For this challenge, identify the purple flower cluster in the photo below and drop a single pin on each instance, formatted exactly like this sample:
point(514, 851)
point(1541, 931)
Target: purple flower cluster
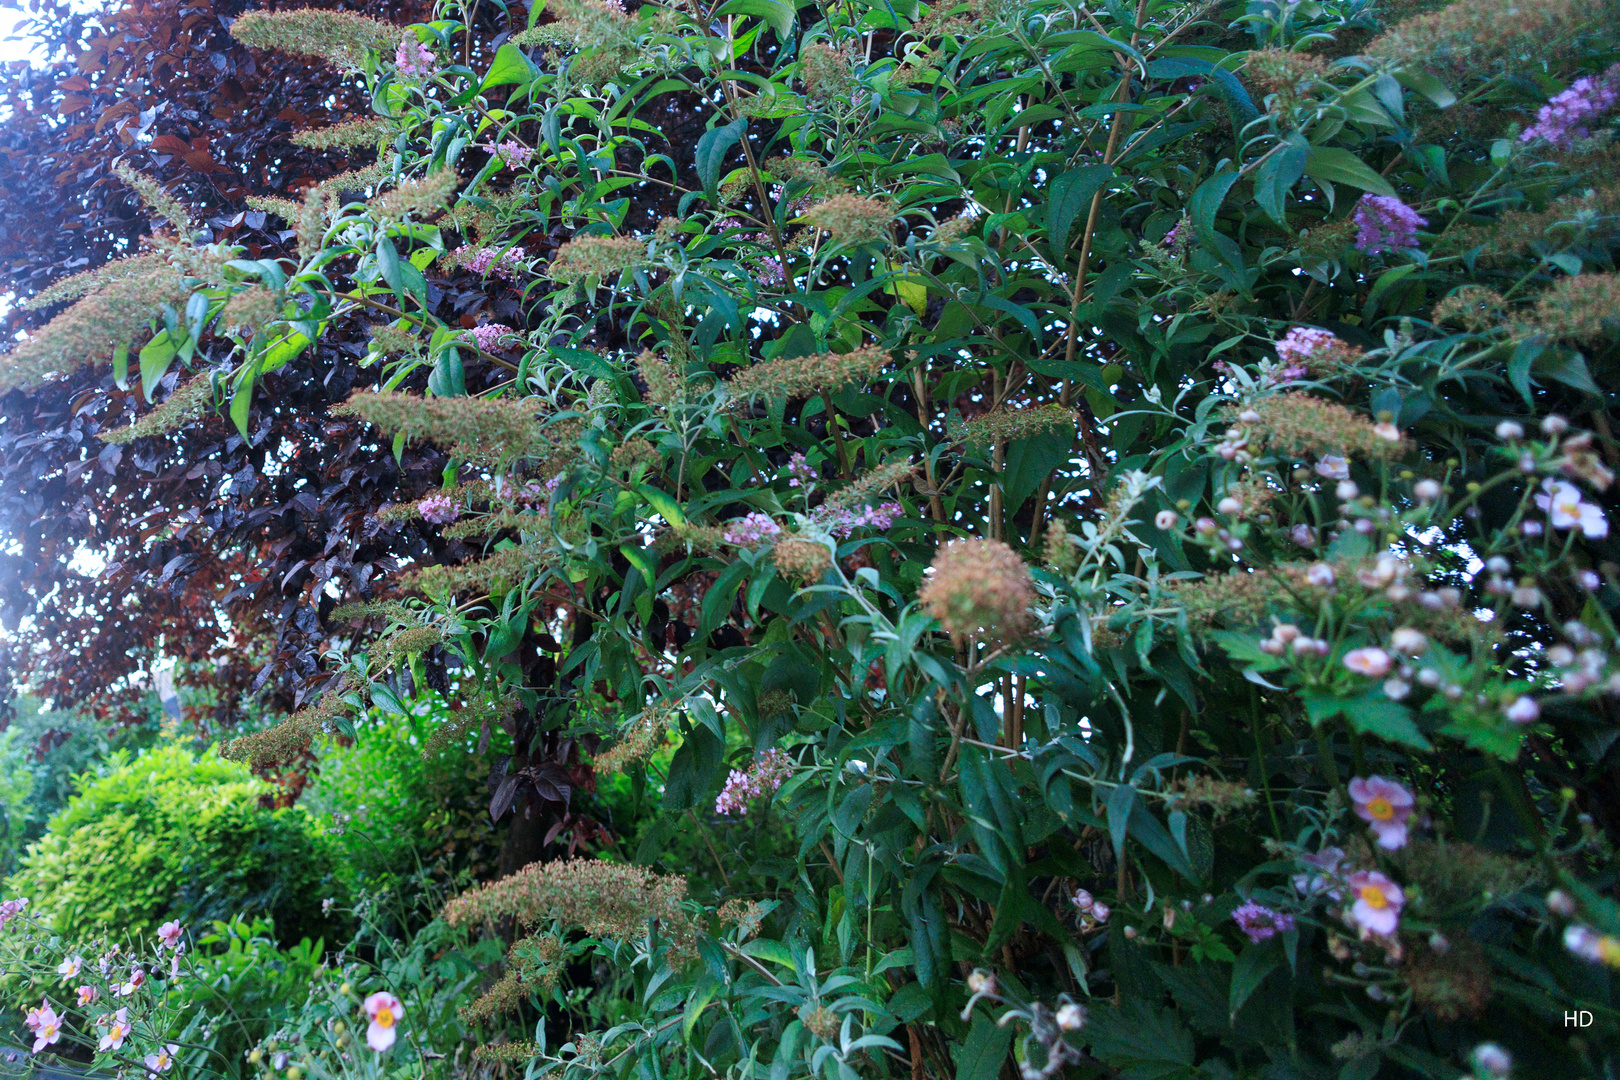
point(1566, 118)
point(1178, 238)
point(1385, 224)
point(439, 509)
point(514, 153)
point(1260, 922)
point(800, 471)
point(753, 530)
point(845, 520)
point(763, 777)
point(490, 334)
point(414, 58)
point(769, 272)
point(490, 261)
point(768, 269)
point(1298, 346)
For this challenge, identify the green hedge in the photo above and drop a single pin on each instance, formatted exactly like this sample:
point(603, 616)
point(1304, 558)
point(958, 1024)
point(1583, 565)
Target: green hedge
point(166, 835)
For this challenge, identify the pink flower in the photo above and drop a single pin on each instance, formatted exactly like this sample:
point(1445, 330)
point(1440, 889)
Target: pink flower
point(1522, 710)
point(1322, 883)
point(171, 932)
point(800, 471)
point(1333, 467)
point(1371, 661)
point(162, 1060)
point(842, 522)
point(752, 530)
point(117, 1031)
point(137, 979)
point(770, 272)
point(1567, 510)
point(488, 336)
point(1386, 224)
point(1260, 922)
point(1301, 345)
point(491, 261)
point(47, 1026)
point(515, 153)
point(69, 967)
point(87, 994)
point(439, 509)
point(413, 57)
point(763, 777)
point(9, 909)
point(1378, 902)
point(1566, 117)
point(1385, 805)
point(384, 1011)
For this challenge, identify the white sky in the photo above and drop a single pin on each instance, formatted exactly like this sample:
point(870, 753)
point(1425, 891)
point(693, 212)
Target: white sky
point(14, 50)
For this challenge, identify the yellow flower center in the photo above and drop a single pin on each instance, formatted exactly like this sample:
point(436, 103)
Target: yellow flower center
point(1609, 950)
point(1381, 809)
point(384, 1017)
point(1374, 897)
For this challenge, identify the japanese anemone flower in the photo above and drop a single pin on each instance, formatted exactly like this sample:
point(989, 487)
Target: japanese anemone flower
point(384, 1011)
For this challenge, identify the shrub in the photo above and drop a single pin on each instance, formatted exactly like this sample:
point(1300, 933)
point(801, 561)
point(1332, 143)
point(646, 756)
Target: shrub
point(1256, 719)
point(168, 835)
point(391, 810)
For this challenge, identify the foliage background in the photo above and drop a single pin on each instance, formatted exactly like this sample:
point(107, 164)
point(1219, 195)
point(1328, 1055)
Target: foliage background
point(743, 277)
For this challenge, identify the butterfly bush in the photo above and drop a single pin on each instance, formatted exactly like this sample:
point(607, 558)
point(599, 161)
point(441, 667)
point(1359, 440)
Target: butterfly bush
point(1385, 223)
point(1073, 541)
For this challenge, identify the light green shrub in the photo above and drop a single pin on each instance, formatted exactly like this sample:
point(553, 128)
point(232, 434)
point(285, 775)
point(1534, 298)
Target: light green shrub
point(167, 835)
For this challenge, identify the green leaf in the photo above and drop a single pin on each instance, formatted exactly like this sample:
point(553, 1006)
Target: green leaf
point(768, 949)
point(641, 558)
point(666, 507)
point(121, 366)
point(1071, 193)
point(1375, 714)
point(711, 153)
point(155, 360)
point(693, 768)
point(1150, 832)
point(510, 68)
point(1416, 78)
point(448, 378)
point(701, 996)
point(1206, 202)
point(1140, 1040)
point(1279, 174)
point(777, 14)
point(1253, 965)
point(984, 1049)
point(1120, 804)
point(1570, 369)
point(1339, 166)
point(284, 350)
point(388, 266)
point(242, 399)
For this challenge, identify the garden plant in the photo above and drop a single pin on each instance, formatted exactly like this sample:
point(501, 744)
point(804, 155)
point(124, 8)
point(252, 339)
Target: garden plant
point(1017, 539)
